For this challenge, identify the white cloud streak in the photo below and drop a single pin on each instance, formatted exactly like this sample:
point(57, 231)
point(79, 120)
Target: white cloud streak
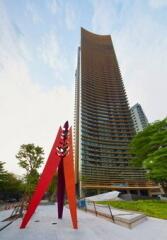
point(52, 54)
point(158, 3)
point(141, 45)
point(28, 114)
point(32, 12)
point(54, 6)
point(70, 17)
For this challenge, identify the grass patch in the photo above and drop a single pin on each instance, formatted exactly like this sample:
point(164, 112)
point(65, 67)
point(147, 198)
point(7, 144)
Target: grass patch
point(152, 208)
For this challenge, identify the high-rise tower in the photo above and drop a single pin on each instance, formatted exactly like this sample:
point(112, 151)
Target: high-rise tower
point(103, 124)
point(139, 118)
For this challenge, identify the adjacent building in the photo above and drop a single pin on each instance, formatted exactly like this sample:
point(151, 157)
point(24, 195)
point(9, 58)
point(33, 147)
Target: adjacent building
point(103, 124)
point(139, 118)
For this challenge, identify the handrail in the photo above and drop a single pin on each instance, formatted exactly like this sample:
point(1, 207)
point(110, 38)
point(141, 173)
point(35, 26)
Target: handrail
point(94, 209)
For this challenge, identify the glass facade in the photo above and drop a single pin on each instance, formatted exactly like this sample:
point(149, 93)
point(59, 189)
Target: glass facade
point(103, 125)
point(139, 118)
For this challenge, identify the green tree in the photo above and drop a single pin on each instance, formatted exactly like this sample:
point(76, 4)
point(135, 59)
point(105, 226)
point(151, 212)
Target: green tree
point(10, 185)
point(3, 174)
point(2, 170)
point(30, 158)
point(14, 187)
point(149, 148)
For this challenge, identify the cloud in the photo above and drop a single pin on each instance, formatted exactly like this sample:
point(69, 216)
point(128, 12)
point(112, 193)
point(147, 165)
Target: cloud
point(140, 43)
point(54, 6)
point(158, 3)
point(69, 12)
point(70, 16)
point(51, 53)
point(32, 12)
point(102, 15)
point(28, 114)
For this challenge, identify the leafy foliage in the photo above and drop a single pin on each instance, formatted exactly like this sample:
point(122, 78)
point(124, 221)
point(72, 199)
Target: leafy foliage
point(3, 175)
point(13, 184)
point(30, 158)
point(10, 185)
point(149, 148)
point(2, 172)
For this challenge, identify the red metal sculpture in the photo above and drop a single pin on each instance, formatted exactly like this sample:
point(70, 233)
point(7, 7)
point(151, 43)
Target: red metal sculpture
point(61, 157)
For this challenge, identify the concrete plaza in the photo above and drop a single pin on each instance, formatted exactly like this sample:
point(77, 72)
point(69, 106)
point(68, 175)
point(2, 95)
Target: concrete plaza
point(44, 225)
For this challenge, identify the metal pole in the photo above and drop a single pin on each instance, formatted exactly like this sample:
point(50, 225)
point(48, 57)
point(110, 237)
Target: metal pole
point(95, 208)
point(111, 212)
point(85, 205)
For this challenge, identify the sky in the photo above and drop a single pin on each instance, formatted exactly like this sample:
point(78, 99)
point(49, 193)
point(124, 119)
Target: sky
point(38, 54)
